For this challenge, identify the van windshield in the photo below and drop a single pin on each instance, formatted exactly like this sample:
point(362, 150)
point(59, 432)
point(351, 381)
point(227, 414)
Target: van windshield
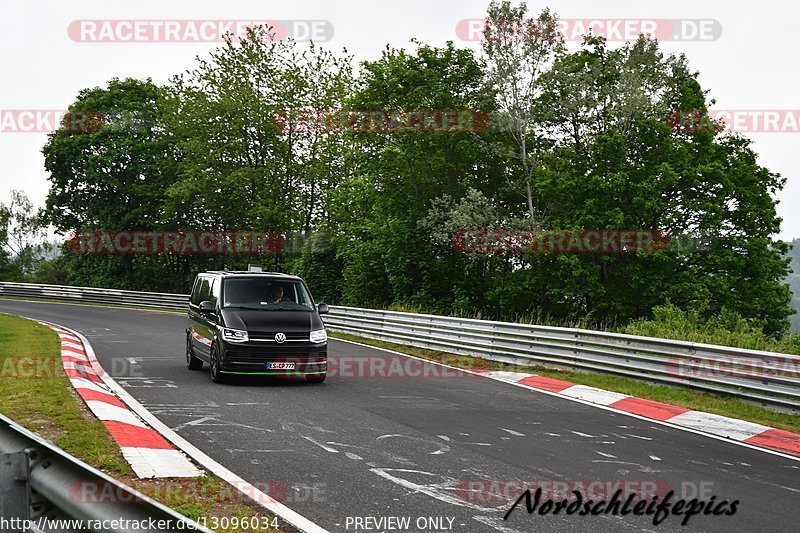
point(265, 293)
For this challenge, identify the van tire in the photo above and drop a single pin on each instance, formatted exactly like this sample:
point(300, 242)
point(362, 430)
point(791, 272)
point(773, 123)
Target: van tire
point(192, 362)
point(216, 374)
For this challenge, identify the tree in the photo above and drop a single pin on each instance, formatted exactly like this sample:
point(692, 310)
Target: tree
point(398, 172)
point(518, 51)
point(22, 233)
point(618, 163)
point(112, 173)
point(241, 163)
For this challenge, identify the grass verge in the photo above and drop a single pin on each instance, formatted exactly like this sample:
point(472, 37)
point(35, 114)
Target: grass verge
point(35, 393)
point(690, 399)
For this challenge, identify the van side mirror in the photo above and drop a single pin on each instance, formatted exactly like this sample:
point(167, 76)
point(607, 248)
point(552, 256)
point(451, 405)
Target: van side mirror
point(323, 309)
point(207, 307)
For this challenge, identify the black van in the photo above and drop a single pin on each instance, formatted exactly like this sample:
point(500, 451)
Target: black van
point(256, 323)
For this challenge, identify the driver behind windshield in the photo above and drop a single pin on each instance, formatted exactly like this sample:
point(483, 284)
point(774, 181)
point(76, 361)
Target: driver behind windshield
point(277, 295)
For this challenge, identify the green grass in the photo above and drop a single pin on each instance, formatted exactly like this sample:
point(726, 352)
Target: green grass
point(701, 401)
point(35, 393)
point(43, 400)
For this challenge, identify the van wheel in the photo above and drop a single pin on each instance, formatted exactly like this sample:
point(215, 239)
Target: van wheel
point(191, 361)
point(216, 374)
point(316, 378)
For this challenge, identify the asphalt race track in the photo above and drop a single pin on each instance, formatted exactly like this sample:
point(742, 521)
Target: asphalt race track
point(368, 446)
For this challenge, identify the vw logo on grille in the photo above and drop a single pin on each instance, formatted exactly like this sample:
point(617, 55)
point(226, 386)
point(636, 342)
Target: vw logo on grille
point(280, 338)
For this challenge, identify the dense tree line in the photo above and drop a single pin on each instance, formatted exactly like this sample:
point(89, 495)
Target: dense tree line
point(581, 139)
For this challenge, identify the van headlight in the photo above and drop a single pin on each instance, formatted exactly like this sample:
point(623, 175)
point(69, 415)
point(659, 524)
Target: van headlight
point(318, 336)
point(234, 335)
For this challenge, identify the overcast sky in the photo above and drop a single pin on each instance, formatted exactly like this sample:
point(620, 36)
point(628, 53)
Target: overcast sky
point(751, 65)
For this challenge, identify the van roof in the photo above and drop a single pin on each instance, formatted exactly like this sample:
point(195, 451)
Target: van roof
point(248, 273)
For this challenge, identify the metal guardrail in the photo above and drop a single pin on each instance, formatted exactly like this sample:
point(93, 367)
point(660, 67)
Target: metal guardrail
point(48, 488)
point(158, 300)
point(765, 377)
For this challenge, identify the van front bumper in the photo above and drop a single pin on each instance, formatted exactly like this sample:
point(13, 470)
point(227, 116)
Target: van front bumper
point(246, 358)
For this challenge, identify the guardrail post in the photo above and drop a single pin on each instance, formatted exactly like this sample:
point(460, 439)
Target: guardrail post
point(15, 502)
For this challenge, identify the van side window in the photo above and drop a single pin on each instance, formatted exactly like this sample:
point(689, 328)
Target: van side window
point(205, 290)
point(215, 290)
point(195, 299)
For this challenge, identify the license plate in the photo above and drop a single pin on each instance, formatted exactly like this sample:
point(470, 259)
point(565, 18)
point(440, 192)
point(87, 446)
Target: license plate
point(280, 366)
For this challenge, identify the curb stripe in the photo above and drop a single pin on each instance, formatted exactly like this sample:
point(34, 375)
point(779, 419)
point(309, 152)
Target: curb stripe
point(777, 439)
point(594, 395)
point(782, 443)
point(649, 408)
point(549, 384)
point(112, 413)
point(84, 384)
point(89, 394)
point(71, 373)
point(722, 426)
point(148, 452)
point(130, 436)
point(159, 463)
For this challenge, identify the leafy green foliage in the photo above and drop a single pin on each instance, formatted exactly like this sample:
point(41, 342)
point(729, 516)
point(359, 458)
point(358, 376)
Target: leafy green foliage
point(727, 328)
point(579, 140)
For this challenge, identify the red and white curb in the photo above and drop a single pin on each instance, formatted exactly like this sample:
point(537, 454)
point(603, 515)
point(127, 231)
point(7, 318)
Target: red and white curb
point(735, 431)
point(721, 426)
point(109, 387)
point(149, 454)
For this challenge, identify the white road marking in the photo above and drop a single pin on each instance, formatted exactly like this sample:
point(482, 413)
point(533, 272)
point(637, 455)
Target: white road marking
point(332, 443)
point(654, 458)
point(444, 437)
point(351, 455)
point(195, 422)
point(638, 436)
point(512, 432)
point(606, 455)
point(578, 433)
point(323, 446)
point(439, 491)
